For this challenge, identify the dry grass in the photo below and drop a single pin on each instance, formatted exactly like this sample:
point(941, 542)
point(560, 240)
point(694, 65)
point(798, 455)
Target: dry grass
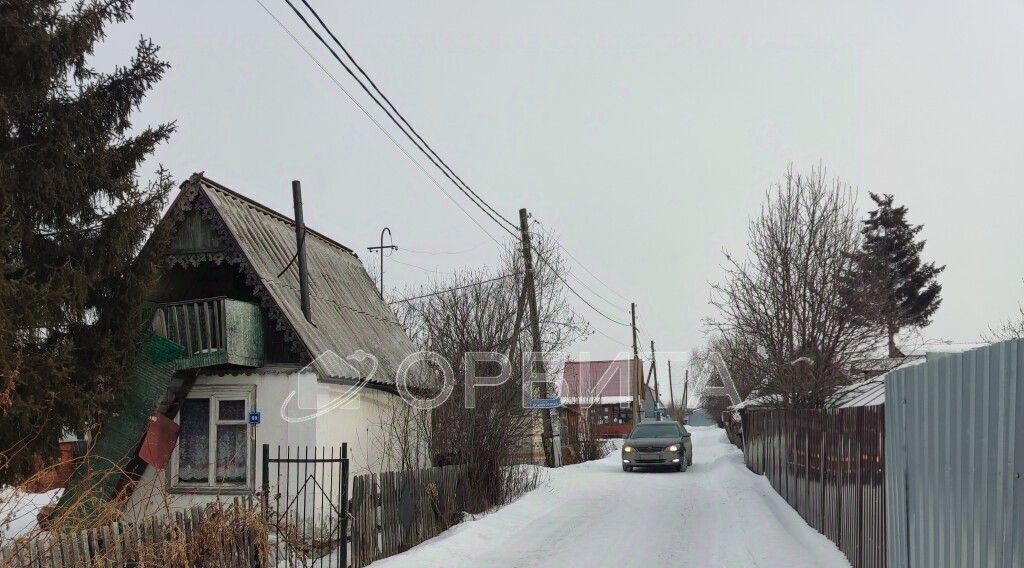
point(82, 532)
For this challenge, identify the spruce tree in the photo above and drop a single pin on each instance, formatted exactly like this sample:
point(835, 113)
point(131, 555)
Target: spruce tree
point(73, 218)
point(902, 287)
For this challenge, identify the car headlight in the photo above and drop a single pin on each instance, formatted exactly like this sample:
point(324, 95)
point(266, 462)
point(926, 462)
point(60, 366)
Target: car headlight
point(672, 448)
point(627, 449)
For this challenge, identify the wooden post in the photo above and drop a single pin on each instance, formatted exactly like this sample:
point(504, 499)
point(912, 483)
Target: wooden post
point(671, 395)
point(686, 393)
point(548, 436)
point(654, 369)
point(637, 372)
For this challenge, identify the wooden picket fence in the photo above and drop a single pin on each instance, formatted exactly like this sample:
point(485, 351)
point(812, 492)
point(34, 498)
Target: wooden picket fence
point(392, 512)
point(389, 513)
point(154, 541)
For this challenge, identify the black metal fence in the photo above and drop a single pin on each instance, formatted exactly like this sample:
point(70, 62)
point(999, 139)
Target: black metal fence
point(305, 503)
point(829, 465)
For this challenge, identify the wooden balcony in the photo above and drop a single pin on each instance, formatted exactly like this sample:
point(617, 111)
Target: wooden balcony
point(213, 331)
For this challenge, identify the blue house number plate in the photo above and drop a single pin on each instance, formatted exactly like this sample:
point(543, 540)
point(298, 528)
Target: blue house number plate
point(254, 418)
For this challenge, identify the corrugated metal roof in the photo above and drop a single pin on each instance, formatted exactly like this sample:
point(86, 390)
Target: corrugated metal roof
point(348, 315)
point(580, 382)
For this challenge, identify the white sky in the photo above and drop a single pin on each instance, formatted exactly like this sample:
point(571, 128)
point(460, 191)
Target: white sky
point(646, 134)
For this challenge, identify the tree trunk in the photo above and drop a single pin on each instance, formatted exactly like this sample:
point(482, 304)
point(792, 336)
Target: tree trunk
point(894, 352)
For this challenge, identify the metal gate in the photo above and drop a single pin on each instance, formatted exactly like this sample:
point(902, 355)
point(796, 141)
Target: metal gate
point(305, 503)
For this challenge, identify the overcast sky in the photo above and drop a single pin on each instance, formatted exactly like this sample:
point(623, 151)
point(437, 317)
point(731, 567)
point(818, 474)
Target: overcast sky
point(645, 134)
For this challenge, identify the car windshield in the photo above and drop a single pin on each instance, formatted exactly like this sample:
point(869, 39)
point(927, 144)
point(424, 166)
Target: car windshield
point(655, 431)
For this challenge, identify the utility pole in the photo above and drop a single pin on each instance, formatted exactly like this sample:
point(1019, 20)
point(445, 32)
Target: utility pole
point(637, 371)
point(381, 249)
point(550, 455)
point(686, 394)
point(671, 395)
point(654, 369)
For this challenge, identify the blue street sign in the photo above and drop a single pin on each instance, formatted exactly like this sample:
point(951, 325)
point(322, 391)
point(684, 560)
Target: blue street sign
point(544, 403)
point(254, 417)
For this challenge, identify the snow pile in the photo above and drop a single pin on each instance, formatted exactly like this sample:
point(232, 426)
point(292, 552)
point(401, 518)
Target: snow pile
point(593, 514)
point(18, 510)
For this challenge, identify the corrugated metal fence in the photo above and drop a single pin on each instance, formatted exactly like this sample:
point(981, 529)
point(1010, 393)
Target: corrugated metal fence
point(955, 456)
point(828, 465)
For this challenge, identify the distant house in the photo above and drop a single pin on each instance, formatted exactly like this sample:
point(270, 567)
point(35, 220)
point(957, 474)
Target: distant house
point(603, 391)
point(232, 345)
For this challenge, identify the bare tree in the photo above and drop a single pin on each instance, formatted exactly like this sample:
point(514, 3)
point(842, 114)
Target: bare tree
point(736, 353)
point(479, 310)
point(788, 303)
point(1012, 328)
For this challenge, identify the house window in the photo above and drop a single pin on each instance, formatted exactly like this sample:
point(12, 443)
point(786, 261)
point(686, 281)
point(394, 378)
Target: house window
point(214, 450)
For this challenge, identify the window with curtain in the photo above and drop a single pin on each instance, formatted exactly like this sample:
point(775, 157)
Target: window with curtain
point(214, 449)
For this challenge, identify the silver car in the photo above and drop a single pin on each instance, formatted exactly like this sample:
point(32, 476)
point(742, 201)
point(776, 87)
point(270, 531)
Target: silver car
point(657, 444)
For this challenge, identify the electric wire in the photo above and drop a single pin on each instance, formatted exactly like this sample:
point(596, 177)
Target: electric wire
point(481, 204)
point(377, 123)
point(455, 289)
point(587, 270)
point(467, 191)
point(399, 114)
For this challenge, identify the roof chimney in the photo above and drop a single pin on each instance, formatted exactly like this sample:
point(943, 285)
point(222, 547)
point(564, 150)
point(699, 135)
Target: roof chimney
point(300, 242)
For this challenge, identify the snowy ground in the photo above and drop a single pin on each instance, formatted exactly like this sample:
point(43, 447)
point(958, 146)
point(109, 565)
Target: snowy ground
point(716, 514)
point(18, 510)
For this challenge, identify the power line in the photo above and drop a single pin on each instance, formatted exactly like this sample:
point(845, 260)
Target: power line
point(580, 280)
point(424, 269)
point(400, 116)
point(423, 148)
point(376, 122)
point(587, 270)
point(439, 252)
point(455, 289)
point(575, 293)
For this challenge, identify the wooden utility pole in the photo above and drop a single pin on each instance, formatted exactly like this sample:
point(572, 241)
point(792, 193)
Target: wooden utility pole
point(671, 395)
point(548, 441)
point(654, 369)
point(638, 373)
point(686, 394)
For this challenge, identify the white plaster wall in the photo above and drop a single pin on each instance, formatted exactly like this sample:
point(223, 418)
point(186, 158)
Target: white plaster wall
point(312, 417)
point(365, 423)
point(305, 421)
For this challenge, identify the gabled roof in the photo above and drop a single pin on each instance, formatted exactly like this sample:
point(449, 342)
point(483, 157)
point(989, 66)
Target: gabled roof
point(581, 381)
point(348, 314)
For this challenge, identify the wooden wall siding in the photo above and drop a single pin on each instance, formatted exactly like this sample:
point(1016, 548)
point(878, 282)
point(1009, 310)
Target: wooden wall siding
point(829, 466)
point(195, 235)
point(214, 331)
point(392, 512)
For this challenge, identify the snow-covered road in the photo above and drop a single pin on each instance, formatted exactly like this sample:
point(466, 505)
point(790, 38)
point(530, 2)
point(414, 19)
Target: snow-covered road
point(716, 514)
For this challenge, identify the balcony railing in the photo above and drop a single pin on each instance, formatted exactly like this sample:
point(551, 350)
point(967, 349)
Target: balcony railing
point(213, 331)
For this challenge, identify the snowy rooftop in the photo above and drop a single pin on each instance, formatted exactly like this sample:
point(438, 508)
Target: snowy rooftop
point(871, 392)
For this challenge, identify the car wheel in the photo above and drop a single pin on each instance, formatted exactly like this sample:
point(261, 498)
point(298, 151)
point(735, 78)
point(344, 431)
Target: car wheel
point(627, 468)
point(682, 465)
